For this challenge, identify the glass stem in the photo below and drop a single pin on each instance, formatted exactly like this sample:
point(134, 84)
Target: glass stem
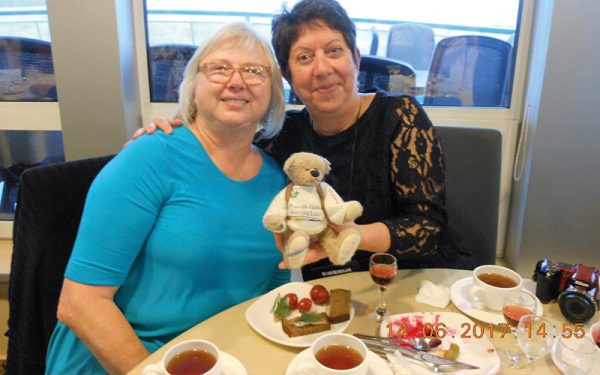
point(381, 307)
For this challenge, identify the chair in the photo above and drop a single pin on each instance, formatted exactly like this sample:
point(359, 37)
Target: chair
point(34, 58)
point(412, 43)
point(49, 208)
point(167, 63)
point(473, 161)
point(379, 73)
point(469, 70)
point(374, 41)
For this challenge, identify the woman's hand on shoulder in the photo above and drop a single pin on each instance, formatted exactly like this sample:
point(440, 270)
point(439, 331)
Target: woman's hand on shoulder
point(158, 123)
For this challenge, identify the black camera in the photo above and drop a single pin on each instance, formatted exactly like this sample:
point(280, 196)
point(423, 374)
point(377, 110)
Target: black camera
point(575, 287)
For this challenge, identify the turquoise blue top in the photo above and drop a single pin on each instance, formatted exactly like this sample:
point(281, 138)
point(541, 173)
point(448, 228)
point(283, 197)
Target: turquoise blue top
point(180, 239)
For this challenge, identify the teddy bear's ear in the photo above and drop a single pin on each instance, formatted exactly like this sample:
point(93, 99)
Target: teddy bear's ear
point(327, 165)
point(288, 163)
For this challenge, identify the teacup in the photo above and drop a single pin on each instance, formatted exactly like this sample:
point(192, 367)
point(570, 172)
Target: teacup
point(490, 285)
point(190, 356)
point(339, 354)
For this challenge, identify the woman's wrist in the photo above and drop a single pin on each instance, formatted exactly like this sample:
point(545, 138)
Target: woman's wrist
point(374, 237)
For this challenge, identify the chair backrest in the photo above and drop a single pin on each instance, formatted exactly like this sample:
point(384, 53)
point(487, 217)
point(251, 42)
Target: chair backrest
point(469, 70)
point(374, 41)
point(49, 208)
point(412, 43)
point(167, 63)
point(473, 161)
point(380, 73)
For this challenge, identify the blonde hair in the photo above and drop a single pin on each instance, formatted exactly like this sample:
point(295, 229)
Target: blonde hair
point(248, 40)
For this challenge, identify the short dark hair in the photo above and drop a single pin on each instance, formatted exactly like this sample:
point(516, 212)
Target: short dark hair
point(285, 27)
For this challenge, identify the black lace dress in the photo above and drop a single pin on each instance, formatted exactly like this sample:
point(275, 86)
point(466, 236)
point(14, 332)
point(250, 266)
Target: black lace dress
point(390, 160)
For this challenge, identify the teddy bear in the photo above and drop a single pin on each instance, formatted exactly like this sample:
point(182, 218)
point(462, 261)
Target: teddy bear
point(304, 208)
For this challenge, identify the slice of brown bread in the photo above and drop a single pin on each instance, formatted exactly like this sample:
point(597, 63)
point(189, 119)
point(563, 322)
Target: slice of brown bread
point(339, 305)
point(292, 330)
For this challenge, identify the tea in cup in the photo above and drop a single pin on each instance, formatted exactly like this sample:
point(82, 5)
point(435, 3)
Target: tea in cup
point(491, 283)
point(339, 354)
point(188, 357)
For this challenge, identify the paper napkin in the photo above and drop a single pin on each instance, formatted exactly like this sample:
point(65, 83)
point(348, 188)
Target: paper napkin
point(434, 295)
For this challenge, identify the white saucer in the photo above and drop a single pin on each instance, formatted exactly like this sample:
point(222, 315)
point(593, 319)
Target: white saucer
point(459, 295)
point(301, 365)
point(230, 365)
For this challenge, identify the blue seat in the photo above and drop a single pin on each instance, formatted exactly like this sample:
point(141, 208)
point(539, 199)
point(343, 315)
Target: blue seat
point(167, 63)
point(470, 70)
point(412, 43)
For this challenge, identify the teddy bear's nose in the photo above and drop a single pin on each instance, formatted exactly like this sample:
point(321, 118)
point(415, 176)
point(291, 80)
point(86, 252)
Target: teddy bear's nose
point(314, 173)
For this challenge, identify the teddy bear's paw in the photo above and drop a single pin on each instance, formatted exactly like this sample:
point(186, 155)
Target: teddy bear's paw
point(295, 250)
point(274, 223)
point(353, 210)
point(348, 244)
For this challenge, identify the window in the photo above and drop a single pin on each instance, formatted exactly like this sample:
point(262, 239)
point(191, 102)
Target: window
point(26, 69)
point(461, 54)
point(27, 84)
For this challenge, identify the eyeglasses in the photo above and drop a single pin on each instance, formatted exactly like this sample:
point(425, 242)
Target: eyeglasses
point(252, 74)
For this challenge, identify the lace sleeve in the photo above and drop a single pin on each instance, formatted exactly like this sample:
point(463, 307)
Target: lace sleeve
point(417, 174)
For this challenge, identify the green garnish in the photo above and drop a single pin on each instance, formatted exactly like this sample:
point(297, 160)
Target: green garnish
point(310, 317)
point(281, 309)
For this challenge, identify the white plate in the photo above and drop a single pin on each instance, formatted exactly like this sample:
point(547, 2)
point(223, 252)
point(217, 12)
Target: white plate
point(475, 347)
point(259, 316)
point(229, 365)
point(459, 294)
point(301, 365)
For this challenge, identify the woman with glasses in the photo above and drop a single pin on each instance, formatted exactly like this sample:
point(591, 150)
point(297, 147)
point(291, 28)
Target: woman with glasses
point(383, 148)
point(171, 232)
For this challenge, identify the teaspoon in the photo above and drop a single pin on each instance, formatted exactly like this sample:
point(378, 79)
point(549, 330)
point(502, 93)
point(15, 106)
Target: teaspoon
point(419, 343)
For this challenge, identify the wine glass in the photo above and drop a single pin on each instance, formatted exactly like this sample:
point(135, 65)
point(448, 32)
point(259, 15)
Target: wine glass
point(574, 355)
point(383, 268)
point(516, 304)
point(535, 335)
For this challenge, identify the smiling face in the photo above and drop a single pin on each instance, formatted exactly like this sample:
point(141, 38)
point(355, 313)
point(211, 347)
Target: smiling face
point(233, 104)
point(323, 71)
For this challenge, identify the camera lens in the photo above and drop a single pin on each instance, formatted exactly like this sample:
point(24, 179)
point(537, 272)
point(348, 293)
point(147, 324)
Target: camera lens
point(576, 307)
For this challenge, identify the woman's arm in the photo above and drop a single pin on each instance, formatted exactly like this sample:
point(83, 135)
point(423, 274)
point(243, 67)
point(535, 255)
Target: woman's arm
point(418, 179)
point(90, 312)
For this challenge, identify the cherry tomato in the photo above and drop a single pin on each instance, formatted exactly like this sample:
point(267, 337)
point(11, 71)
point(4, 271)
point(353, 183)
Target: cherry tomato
point(292, 300)
point(304, 305)
point(319, 294)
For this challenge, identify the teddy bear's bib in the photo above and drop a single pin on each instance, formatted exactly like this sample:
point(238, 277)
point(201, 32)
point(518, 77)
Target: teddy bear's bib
point(305, 211)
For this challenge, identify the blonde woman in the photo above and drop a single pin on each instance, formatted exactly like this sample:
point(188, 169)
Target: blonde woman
point(175, 221)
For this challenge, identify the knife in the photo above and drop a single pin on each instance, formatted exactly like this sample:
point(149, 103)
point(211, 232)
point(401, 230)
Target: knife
point(433, 361)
